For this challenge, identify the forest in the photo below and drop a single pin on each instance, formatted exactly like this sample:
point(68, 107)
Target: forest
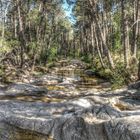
point(102, 33)
point(68, 67)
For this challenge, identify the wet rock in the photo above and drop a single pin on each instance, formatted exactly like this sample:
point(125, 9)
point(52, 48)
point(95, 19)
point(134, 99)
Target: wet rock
point(90, 72)
point(134, 85)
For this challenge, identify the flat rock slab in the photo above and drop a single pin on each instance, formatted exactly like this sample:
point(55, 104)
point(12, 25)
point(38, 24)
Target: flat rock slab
point(113, 115)
point(23, 88)
point(67, 121)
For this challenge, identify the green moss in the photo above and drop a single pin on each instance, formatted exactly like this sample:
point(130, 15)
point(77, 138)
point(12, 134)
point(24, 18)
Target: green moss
point(105, 73)
point(87, 58)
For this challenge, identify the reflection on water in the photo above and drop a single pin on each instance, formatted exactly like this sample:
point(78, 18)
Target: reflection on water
point(76, 74)
point(32, 98)
point(81, 80)
point(75, 80)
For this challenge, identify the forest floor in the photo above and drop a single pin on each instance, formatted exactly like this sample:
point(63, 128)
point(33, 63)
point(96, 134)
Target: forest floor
point(68, 103)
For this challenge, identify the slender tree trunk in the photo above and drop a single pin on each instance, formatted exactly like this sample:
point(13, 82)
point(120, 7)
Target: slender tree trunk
point(15, 25)
point(21, 33)
point(92, 38)
point(108, 54)
point(98, 49)
point(139, 70)
point(136, 26)
point(125, 33)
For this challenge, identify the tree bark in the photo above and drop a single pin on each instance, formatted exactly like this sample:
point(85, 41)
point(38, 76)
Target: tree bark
point(139, 70)
point(22, 36)
point(108, 54)
point(136, 26)
point(125, 35)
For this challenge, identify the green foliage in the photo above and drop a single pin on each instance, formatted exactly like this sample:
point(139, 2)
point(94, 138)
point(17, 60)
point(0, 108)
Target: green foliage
point(120, 76)
point(50, 64)
point(1, 72)
point(52, 52)
point(87, 58)
point(105, 73)
point(32, 45)
point(117, 33)
point(6, 46)
point(33, 16)
point(12, 43)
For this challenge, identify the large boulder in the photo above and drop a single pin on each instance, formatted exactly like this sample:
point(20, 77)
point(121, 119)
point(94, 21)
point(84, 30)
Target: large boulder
point(70, 120)
point(127, 128)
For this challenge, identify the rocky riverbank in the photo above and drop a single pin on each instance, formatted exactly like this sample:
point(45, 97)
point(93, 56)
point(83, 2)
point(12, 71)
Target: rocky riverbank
point(67, 105)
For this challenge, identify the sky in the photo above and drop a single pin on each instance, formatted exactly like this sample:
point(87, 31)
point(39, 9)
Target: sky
point(68, 6)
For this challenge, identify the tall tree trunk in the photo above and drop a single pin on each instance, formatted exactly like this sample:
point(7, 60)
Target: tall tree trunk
point(139, 70)
point(92, 38)
point(125, 37)
point(108, 54)
point(97, 47)
point(15, 25)
point(136, 26)
point(21, 33)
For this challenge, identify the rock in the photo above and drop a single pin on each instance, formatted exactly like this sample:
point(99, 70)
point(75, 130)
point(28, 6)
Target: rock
point(78, 64)
point(83, 118)
point(65, 121)
point(44, 119)
point(9, 132)
point(46, 80)
point(69, 80)
point(90, 72)
point(14, 89)
point(127, 128)
point(65, 112)
point(134, 85)
point(106, 85)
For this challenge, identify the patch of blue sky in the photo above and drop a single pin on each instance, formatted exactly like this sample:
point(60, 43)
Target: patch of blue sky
point(68, 8)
